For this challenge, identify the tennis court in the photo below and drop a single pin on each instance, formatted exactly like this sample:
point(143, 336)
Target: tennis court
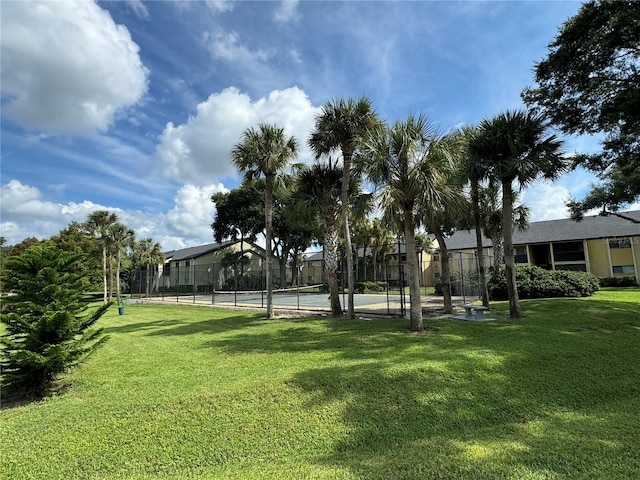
point(298, 299)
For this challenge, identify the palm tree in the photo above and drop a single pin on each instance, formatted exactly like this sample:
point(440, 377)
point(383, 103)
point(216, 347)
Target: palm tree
point(491, 211)
point(149, 256)
point(121, 237)
point(98, 224)
point(401, 160)
point(475, 171)
point(317, 196)
point(516, 146)
point(265, 151)
point(381, 244)
point(338, 126)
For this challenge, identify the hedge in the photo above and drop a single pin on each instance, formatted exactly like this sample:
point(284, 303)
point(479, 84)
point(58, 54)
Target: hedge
point(536, 282)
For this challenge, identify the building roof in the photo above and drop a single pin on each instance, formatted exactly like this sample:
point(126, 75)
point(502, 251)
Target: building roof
point(592, 227)
point(195, 252)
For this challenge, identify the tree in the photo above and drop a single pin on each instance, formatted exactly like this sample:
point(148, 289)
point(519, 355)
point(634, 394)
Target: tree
point(47, 330)
point(589, 84)
point(75, 239)
point(148, 255)
point(381, 244)
point(317, 195)
point(121, 238)
point(239, 212)
point(490, 206)
point(265, 151)
point(338, 126)
point(403, 163)
point(97, 225)
point(517, 147)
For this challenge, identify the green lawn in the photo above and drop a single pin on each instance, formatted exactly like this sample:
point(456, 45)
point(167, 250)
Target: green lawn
point(195, 392)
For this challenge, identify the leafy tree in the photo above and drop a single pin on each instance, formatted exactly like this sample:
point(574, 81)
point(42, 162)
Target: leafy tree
point(292, 236)
point(97, 225)
point(590, 83)
point(75, 239)
point(265, 151)
point(239, 212)
point(47, 329)
point(338, 126)
point(402, 161)
point(517, 147)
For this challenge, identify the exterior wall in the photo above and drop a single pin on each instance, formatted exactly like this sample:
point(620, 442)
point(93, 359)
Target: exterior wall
point(599, 257)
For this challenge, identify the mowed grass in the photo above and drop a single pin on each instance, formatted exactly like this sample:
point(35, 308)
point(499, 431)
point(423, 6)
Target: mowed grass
point(195, 392)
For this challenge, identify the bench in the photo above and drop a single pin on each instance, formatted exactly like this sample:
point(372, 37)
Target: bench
point(474, 312)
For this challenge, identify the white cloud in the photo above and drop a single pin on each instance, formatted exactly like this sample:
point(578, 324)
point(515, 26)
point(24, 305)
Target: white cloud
point(546, 201)
point(66, 66)
point(198, 152)
point(25, 213)
point(225, 46)
point(193, 211)
point(220, 5)
point(287, 11)
point(138, 8)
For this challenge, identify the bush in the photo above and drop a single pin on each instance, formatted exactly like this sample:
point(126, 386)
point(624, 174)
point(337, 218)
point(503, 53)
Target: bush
point(618, 282)
point(535, 282)
point(46, 333)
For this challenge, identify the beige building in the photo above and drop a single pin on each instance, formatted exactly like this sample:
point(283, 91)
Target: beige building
point(607, 246)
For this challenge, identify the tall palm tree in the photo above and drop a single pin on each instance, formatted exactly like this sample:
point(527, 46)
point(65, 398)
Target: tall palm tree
point(317, 197)
point(265, 151)
point(338, 126)
point(516, 146)
point(401, 160)
point(121, 238)
point(98, 224)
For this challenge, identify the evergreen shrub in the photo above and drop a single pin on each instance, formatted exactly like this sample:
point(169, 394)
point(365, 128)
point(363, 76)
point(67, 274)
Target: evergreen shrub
point(618, 282)
point(47, 328)
point(536, 282)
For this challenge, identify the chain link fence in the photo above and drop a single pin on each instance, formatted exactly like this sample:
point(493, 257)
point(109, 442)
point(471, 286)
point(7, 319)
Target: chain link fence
point(381, 283)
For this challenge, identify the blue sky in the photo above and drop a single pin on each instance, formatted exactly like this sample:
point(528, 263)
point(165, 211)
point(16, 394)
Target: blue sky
point(134, 106)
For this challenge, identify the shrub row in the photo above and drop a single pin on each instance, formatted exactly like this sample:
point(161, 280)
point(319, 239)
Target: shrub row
point(536, 282)
point(618, 282)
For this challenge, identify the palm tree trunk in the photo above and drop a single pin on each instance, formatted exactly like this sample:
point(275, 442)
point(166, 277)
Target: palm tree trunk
point(475, 204)
point(509, 260)
point(445, 277)
point(331, 262)
point(118, 281)
point(415, 310)
point(104, 272)
point(344, 198)
point(268, 218)
point(110, 262)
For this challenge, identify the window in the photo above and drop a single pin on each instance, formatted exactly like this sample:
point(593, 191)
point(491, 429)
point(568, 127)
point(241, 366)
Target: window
point(520, 254)
point(187, 263)
point(620, 243)
point(436, 258)
point(568, 251)
point(624, 269)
